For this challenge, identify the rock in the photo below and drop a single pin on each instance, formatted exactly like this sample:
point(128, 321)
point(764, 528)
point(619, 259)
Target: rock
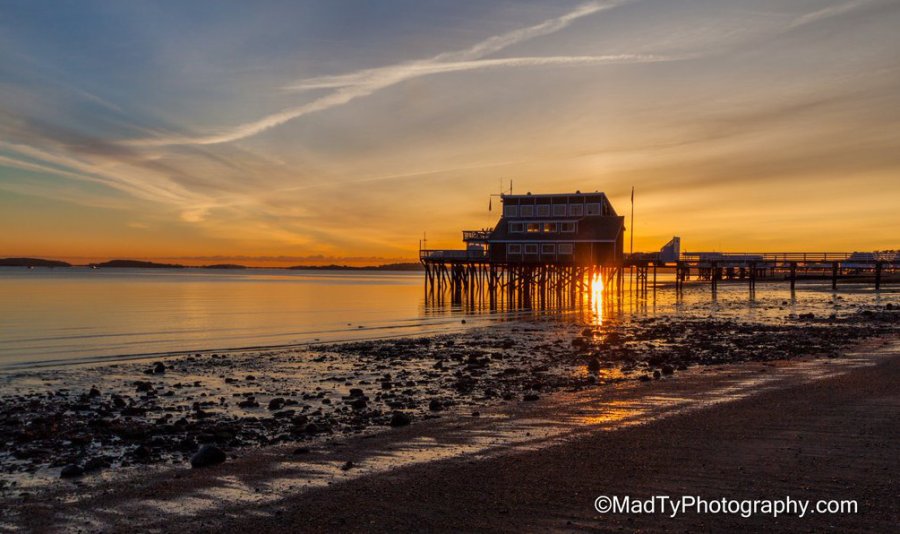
point(435, 405)
point(593, 365)
point(347, 466)
point(889, 306)
point(358, 403)
point(159, 368)
point(587, 332)
point(250, 402)
point(143, 386)
point(71, 471)
point(657, 375)
point(118, 401)
point(95, 464)
point(667, 369)
point(302, 450)
point(644, 378)
point(400, 419)
point(250, 378)
point(356, 392)
point(94, 392)
point(530, 397)
point(276, 404)
point(207, 455)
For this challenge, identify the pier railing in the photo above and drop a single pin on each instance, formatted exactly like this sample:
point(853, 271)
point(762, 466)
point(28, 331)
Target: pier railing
point(453, 255)
point(788, 258)
point(481, 236)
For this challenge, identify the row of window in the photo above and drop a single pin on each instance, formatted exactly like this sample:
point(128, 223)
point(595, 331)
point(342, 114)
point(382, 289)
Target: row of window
point(539, 228)
point(546, 248)
point(554, 210)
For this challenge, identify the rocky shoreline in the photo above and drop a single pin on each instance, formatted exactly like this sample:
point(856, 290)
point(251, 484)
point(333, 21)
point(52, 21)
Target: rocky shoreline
point(202, 408)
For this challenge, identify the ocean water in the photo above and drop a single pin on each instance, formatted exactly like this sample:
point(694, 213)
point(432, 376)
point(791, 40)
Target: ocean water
point(52, 317)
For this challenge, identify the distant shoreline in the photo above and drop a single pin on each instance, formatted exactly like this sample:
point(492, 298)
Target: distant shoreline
point(139, 264)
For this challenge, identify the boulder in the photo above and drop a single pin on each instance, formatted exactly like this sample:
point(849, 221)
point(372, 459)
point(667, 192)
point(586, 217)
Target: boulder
point(207, 455)
point(71, 471)
point(400, 419)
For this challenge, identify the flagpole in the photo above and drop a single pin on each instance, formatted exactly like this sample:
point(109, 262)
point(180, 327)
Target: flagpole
point(631, 247)
point(631, 251)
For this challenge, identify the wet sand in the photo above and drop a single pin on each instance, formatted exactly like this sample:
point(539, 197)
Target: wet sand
point(99, 419)
point(808, 428)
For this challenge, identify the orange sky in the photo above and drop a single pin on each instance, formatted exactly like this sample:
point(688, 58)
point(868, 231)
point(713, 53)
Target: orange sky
point(312, 137)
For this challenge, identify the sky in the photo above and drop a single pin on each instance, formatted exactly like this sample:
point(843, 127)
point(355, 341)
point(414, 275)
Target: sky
point(338, 131)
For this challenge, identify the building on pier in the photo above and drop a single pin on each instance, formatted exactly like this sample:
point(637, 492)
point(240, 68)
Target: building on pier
point(554, 229)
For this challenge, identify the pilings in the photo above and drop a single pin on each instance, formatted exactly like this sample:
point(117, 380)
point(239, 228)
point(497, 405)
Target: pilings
point(518, 285)
point(526, 285)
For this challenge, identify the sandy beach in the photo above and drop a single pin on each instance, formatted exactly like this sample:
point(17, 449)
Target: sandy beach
point(809, 427)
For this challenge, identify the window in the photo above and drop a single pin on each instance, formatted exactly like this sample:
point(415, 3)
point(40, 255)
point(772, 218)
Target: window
point(565, 248)
point(550, 227)
point(530, 249)
point(513, 249)
point(516, 228)
point(593, 209)
point(510, 211)
point(543, 210)
point(568, 227)
point(526, 211)
point(548, 249)
point(559, 210)
point(533, 227)
point(576, 210)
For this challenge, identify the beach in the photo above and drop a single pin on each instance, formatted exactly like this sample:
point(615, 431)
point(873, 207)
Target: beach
point(557, 411)
point(809, 428)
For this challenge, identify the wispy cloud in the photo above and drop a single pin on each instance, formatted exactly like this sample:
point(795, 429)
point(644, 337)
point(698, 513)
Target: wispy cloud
point(828, 12)
point(363, 83)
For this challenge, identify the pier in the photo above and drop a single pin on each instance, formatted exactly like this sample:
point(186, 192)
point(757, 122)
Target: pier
point(556, 250)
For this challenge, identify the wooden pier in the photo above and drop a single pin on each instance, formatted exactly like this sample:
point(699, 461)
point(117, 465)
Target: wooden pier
point(471, 275)
point(558, 249)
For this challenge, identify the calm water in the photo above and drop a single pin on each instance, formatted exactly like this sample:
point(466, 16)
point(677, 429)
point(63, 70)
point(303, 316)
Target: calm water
point(53, 316)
